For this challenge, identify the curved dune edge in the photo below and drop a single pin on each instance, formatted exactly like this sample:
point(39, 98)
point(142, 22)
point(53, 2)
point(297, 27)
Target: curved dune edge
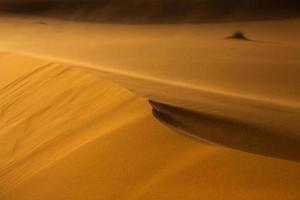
point(230, 133)
point(66, 134)
point(195, 62)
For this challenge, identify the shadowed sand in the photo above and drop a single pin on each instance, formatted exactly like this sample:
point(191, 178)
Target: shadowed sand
point(236, 134)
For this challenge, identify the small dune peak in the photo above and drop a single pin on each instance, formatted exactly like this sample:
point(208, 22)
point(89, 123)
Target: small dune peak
point(238, 35)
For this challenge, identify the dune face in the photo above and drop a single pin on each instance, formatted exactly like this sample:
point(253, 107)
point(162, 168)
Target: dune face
point(75, 119)
point(67, 134)
point(44, 113)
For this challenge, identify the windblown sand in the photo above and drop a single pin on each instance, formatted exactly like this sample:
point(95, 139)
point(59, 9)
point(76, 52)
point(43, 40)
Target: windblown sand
point(67, 134)
point(254, 82)
point(75, 121)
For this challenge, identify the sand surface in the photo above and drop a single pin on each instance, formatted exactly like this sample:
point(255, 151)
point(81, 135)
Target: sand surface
point(75, 121)
point(241, 81)
point(67, 134)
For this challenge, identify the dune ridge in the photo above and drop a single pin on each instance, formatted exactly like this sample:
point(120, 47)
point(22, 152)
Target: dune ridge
point(254, 102)
point(236, 134)
point(68, 132)
point(268, 97)
point(192, 63)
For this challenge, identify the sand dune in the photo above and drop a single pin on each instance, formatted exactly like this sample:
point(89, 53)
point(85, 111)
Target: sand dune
point(238, 81)
point(34, 125)
point(75, 121)
point(67, 134)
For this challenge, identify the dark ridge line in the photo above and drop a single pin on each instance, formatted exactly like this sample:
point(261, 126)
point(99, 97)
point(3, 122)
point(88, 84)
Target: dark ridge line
point(234, 134)
point(156, 11)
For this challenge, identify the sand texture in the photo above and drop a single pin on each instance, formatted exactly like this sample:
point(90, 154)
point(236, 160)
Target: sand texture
point(67, 134)
point(150, 99)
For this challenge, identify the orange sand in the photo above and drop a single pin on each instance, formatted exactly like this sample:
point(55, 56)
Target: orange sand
point(75, 122)
point(67, 134)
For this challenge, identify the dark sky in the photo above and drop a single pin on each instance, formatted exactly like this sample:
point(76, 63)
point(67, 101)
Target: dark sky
point(156, 11)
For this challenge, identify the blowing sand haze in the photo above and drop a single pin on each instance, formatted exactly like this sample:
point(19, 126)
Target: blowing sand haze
point(149, 99)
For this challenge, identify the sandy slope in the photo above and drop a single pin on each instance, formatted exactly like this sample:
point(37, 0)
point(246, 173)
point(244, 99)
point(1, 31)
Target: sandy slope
point(66, 134)
point(39, 112)
point(17, 67)
point(249, 82)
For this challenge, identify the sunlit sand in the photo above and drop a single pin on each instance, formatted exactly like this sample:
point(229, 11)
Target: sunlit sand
point(76, 122)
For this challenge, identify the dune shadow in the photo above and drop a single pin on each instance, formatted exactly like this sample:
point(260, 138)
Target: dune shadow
point(156, 11)
point(230, 133)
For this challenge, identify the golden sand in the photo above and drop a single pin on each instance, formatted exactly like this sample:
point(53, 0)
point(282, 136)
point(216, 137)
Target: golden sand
point(75, 121)
point(67, 134)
